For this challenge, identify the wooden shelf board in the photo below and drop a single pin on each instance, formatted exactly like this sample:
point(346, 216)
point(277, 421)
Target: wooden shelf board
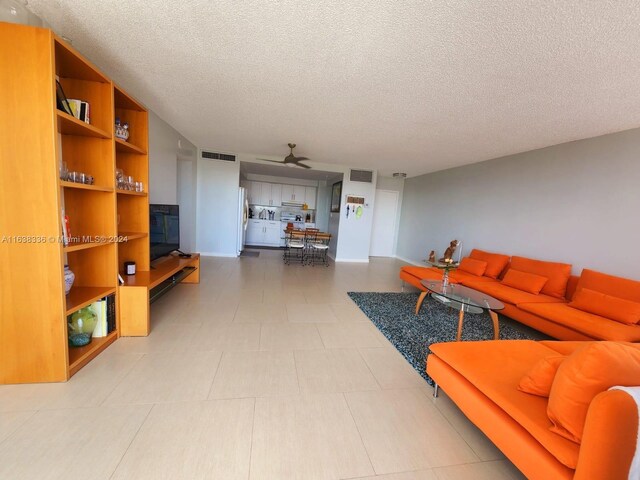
point(130, 192)
point(82, 186)
point(124, 146)
point(82, 296)
point(132, 235)
point(80, 356)
point(70, 125)
point(73, 247)
point(163, 270)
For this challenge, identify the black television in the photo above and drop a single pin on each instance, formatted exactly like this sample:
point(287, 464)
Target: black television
point(164, 229)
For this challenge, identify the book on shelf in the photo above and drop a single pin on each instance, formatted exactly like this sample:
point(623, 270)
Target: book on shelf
point(80, 109)
point(111, 313)
point(100, 309)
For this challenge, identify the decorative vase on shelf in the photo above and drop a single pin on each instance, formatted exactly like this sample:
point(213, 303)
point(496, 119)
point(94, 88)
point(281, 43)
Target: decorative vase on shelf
point(81, 326)
point(69, 277)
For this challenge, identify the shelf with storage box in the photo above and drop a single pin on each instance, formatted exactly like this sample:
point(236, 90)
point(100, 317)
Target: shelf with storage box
point(138, 290)
point(34, 345)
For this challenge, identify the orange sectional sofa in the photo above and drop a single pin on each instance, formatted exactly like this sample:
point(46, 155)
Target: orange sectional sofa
point(519, 423)
point(541, 295)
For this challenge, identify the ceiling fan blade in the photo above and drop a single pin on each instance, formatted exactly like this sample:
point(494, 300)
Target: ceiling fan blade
point(272, 161)
point(302, 165)
point(301, 158)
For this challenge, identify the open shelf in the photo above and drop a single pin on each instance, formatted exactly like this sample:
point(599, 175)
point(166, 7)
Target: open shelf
point(83, 186)
point(75, 246)
point(82, 296)
point(131, 192)
point(132, 235)
point(70, 125)
point(80, 356)
point(124, 146)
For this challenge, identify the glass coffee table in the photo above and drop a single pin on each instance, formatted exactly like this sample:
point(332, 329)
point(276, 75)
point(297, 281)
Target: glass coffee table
point(463, 299)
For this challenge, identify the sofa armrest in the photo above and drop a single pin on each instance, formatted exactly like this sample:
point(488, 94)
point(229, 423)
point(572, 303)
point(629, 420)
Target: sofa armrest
point(609, 439)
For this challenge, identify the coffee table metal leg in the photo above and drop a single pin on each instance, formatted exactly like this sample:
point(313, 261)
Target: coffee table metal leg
point(460, 322)
point(420, 300)
point(496, 325)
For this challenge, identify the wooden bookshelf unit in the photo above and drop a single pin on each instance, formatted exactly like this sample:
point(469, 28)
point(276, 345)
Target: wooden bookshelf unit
point(137, 291)
point(38, 138)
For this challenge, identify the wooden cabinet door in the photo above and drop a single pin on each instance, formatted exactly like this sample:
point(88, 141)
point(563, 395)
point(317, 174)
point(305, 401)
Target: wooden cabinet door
point(310, 197)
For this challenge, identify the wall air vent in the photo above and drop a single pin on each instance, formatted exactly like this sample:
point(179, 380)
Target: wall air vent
point(218, 156)
point(364, 176)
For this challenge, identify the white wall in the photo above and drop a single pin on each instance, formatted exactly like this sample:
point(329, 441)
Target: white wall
point(395, 185)
point(163, 175)
point(285, 180)
point(217, 207)
point(576, 203)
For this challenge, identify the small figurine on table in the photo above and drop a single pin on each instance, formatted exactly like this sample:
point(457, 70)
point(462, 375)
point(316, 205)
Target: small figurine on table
point(432, 256)
point(448, 253)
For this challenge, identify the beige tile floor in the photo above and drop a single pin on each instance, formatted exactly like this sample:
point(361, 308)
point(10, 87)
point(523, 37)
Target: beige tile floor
point(263, 371)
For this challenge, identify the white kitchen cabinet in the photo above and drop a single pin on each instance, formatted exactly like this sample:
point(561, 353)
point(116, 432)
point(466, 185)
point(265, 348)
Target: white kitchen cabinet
point(276, 195)
point(287, 193)
point(293, 193)
point(254, 232)
point(272, 234)
point(310, 197)
point(263, 232)
point(266, 194)
point(299, 194)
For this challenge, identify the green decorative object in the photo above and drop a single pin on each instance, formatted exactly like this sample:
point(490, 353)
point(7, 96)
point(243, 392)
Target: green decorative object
point(80, 326)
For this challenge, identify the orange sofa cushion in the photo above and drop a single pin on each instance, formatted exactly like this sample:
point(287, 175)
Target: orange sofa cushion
point(463, 277)
point(584, 374)
point(557, 274)
point(616, 286)
point(528, 282)
point(496, 262)
point(473, 266)
point(539, 379)
point(509, 294)
point(483, 364)
point(608, 306)
point(594, 326)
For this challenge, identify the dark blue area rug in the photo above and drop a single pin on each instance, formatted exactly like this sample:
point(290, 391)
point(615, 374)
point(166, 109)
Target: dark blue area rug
point(393, 314)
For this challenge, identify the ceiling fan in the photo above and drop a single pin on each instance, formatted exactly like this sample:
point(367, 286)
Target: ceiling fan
point(290, 159)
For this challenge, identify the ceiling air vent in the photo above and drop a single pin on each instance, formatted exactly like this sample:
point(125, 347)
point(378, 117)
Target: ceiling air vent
point(364, 176)
point(219, 156)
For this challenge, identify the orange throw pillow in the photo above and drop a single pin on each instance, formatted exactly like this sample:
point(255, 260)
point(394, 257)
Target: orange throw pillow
point(527, 282)
point(495, 262)
point(539, 379)
point(608, 306)
point(472, 266)
point(583, 375)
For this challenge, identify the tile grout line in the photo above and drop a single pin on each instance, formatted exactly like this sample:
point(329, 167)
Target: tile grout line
point(364, 445)
point(253, 427)
point(214, 376)
point(132, 440)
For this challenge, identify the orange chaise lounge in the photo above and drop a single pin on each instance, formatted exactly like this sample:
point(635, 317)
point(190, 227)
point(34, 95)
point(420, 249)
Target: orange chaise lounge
point(604, 308)
point(604, 422)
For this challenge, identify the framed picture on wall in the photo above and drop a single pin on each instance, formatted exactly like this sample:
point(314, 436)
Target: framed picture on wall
point(336, 193)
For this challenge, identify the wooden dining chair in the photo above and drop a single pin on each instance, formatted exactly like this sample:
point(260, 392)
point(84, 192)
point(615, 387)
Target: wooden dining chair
point(294, 246)
point(319, 249)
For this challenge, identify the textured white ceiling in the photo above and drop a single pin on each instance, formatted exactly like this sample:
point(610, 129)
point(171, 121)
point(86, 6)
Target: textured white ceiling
point(413, 86)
